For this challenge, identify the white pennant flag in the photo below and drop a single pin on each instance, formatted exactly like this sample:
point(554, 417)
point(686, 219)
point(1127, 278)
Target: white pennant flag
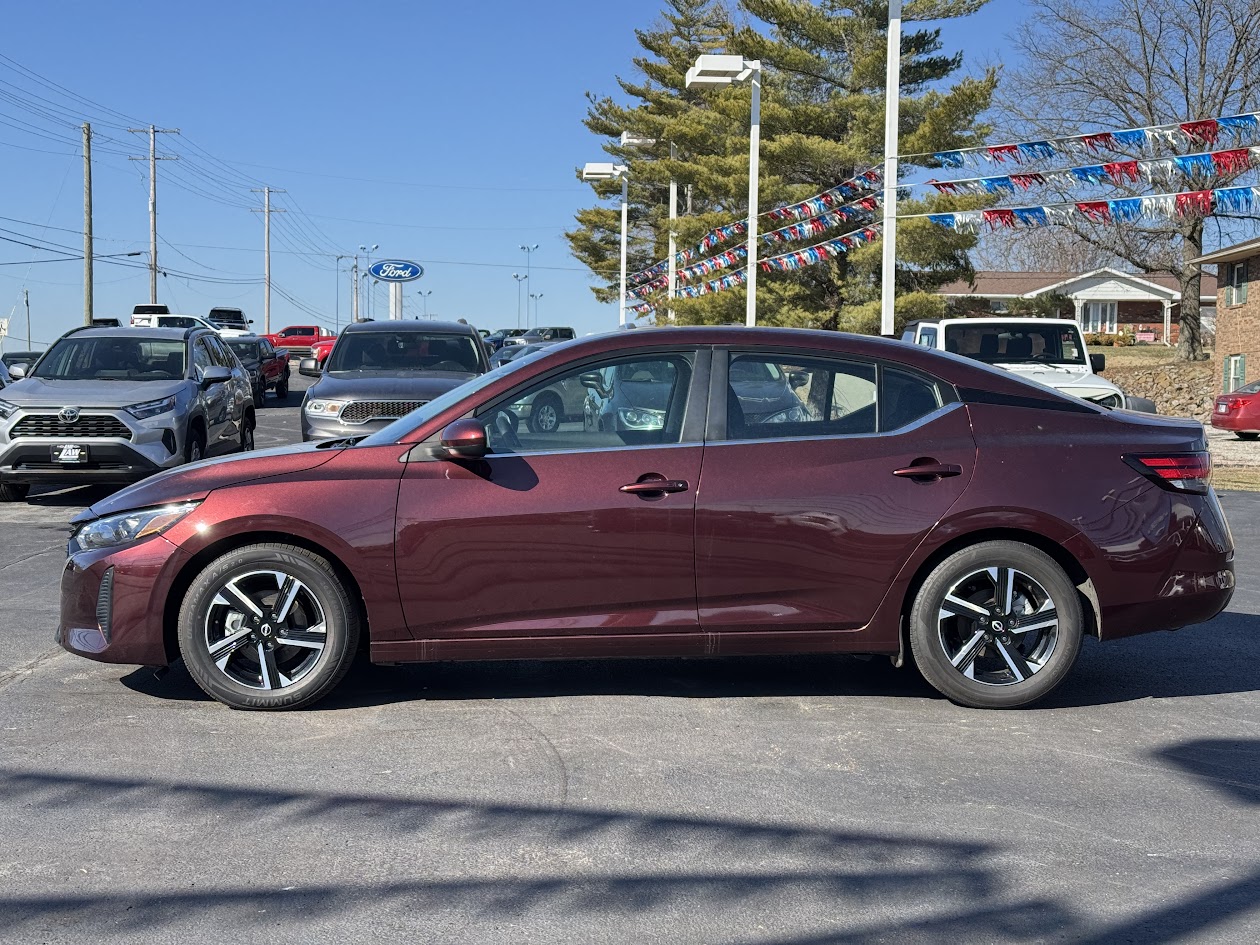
point(1161, 207)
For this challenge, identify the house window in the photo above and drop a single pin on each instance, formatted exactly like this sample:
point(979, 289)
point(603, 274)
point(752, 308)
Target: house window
point(1236, 283)
point(1235, 372)
point(1100, 317)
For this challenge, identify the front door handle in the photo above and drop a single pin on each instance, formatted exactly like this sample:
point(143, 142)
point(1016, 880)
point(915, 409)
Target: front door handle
point(649, 488)
point(929, 472)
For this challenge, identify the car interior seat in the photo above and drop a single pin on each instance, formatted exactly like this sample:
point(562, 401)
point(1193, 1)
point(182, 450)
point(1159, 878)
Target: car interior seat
point(909, 402)
point(988, 346)
point(736, 424)
point(1019, 347)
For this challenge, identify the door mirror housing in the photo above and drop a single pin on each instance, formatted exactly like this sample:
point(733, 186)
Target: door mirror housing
point(798, 379)
point(309, 367)
point(465, 439)
point(215, 375)
point(593, 380)
point(1098, 363)
point(18, 371)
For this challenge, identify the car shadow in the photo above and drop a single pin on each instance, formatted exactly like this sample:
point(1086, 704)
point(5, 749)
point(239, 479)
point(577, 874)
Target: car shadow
point(66, 497)
point(1147, 667)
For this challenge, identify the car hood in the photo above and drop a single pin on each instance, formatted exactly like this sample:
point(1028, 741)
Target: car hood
point(1070, 378)
point(386, 385)
point(198, 480)
point(40, 392)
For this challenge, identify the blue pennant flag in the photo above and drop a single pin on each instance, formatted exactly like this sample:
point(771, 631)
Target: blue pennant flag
point(1234, 199)
point(1032, 216)
point(1127, 210)
point(1130, 139)
point(1196, 165)
point(1094, 174)
point(1037, 150)
point(942, 219)
point(1240, 125)
point(950, 158)
point(997, 184)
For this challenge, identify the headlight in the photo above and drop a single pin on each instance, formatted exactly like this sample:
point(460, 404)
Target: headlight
point(151, 408)
point(641, 418)
point(7, 409)
point(119, 529)
point(325, 408)
point(1110, 401)
point(791, 415)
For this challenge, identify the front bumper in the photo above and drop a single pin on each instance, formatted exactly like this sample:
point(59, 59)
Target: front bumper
point(321, 428)
point(137, 448)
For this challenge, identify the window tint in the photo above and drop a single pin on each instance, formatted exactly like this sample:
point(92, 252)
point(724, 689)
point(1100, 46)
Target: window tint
point(771, 396)
point(201, 357)
point(266, 349)
point(219, 353)
point(597, 405)
point(927, 337)
point(905, 398)
point(405, 351)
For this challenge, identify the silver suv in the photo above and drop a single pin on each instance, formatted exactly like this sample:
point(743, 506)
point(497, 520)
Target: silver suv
point(113, 405)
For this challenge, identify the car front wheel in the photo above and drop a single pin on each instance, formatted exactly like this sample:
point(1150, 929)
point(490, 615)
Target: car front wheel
point(544, 414)
point(268, 626)
point(996, 625)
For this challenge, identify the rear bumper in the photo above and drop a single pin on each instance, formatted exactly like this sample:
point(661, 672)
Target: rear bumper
point(1233, 422)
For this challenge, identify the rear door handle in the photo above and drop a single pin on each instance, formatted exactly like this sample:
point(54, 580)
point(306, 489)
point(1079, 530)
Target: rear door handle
point(929, 471)
point(650, 487)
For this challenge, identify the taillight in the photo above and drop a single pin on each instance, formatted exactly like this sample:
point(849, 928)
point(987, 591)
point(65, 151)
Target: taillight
point(1181, 472)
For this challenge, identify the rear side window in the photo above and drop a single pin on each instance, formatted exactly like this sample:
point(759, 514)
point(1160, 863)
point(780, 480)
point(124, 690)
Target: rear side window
point(905, 398)
point(927, 337)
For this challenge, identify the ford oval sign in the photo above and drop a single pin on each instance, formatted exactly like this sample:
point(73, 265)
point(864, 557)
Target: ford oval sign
point(395, 270)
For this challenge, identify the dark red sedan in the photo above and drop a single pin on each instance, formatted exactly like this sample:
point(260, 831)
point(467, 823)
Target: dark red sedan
point(1239, 411)
point(725, 491)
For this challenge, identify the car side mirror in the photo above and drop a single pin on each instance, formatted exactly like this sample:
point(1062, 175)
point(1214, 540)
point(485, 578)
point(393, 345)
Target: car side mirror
point(215, 375)
point(798, 379)
point(309, 367)
point(18, 371)
point(1098, 363)
point(593, 380)
point(465, 439)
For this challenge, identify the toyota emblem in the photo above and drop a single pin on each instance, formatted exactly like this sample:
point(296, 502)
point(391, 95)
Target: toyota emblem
point(68, 414)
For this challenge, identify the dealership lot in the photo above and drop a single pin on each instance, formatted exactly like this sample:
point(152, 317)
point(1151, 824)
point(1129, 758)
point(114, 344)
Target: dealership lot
point(803, 800)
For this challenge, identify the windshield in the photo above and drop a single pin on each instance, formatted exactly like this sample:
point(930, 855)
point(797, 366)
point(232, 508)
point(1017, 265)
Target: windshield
point(113, 359)
point(244, 349)
point(405, 351)
point(1016, 343)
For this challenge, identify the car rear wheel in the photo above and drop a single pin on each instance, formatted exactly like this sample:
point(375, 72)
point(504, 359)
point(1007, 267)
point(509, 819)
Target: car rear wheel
point(544, 414)
point(996, 625)
point(282, 389)
point(268, 627)
point(14, 491)
point(247, 434)
point(1247, 434)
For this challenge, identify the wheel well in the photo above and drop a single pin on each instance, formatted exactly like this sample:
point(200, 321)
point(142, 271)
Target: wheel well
point(1076, 574)
point(249, 418)
point(183, 580)
point(198, 423)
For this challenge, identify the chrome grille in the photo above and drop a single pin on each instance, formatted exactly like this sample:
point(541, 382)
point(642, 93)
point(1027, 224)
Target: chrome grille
point(88, 425)
point(364, 410)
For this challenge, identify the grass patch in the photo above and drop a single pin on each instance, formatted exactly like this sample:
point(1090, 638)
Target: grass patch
point(1226, 478)
point(1136, 356)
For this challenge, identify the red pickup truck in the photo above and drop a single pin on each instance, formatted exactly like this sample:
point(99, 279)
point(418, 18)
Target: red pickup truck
point(298, 339)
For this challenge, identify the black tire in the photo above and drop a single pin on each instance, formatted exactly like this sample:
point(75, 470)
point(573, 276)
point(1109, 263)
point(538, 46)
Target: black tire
point(195, 445)
point(971, 647)
point(247, 433)
point(1247, 434)
point(14, 491)
point(282, 388)
point(545, 413)
point(252, 673)
point(260, 396)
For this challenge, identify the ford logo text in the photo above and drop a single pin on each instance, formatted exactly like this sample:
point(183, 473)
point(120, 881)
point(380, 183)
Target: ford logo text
point(395, 270)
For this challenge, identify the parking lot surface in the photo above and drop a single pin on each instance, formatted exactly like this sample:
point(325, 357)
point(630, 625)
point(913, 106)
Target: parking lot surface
point(796, 800)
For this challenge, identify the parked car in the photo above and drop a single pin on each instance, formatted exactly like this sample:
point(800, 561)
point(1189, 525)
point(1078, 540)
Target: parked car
point(10, 358)
point(380, 371)
point(148, 308)
point(917, 519)
point(171, 321)
point(1239, 411)
point(496, 339)
point(232, 319)
point(113, 405)
point(267, 367)
point(4, 376)
point(546, 334)
point(320, 350)
point(106, 323)
point(510, 353)
point(1050, 351)
point(298, 339)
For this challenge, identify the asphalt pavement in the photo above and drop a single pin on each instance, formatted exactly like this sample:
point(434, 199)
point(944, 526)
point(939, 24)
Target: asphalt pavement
point(768, 801)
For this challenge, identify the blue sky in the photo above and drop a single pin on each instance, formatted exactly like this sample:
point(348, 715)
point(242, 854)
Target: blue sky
point(445, 133)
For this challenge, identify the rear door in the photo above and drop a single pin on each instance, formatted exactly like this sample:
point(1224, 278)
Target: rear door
point(809, 502)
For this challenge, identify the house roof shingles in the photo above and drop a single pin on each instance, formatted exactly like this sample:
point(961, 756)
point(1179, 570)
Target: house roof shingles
point(1013, 284)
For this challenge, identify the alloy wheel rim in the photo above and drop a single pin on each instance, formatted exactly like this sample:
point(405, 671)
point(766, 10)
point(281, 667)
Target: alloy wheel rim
point(265, 630)
point(547, 418)
point(998, 626)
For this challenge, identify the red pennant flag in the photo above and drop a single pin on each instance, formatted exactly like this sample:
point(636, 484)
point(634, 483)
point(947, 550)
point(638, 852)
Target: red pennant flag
point(1025, 181)
point(1106, 141)
point(1195, 203)
point(1123, 172)
point(1096, 210)
point(1232, 162)
point(1205, 131)
point(1001, 217)
point(1004, 151)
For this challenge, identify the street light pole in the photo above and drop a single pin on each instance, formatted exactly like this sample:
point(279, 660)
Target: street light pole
point(888, 280)
point(529, 254)
point(535, 297)
point(519, 279)
point(369, 250)
point(604, 171)
point(673, 235)
point(424, 301)
point(727, 70)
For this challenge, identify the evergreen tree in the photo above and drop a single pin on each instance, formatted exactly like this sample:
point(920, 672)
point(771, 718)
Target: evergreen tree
point(822, 122)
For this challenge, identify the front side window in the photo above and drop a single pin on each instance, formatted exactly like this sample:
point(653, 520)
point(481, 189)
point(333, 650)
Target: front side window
point(201, 358)
point(927, 337)
point(598, 405)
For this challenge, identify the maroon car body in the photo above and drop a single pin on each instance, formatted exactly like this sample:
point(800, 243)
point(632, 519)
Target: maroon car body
point(757, 545)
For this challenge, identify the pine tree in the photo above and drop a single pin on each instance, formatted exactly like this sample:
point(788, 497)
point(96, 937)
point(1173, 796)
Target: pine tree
point(822, 122)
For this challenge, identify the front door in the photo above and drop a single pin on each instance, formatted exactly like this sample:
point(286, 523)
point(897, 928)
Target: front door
point(577, 528)
point(809, 504)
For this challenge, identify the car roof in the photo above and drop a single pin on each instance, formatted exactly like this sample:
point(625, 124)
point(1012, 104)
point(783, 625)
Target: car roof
point(419, 327)
point(140, 334)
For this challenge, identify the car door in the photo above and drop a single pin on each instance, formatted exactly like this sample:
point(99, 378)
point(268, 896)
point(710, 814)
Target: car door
point(809, 500)
point(215, 400)
point(568, 533)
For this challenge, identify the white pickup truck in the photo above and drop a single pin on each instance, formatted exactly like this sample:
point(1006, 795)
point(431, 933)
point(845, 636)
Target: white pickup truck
point(1050, 351)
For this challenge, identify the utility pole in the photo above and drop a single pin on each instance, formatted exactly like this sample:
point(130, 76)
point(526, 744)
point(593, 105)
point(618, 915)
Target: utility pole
point(892, 105)
point(153, 159)
point(266, 211)
point(87, 224)
point(337, 293)
point(26, 297)
point(354, 299)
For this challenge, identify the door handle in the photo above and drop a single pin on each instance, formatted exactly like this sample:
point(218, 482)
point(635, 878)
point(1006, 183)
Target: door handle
point(651, 487)
point(929, 472)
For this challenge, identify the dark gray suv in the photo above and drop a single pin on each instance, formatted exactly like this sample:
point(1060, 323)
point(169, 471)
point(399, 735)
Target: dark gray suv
point(380, 371)
point(113, 405)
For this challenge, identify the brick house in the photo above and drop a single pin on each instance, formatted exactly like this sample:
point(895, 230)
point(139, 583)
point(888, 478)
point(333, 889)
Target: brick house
point(1106, 301)
point(1237, 353)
